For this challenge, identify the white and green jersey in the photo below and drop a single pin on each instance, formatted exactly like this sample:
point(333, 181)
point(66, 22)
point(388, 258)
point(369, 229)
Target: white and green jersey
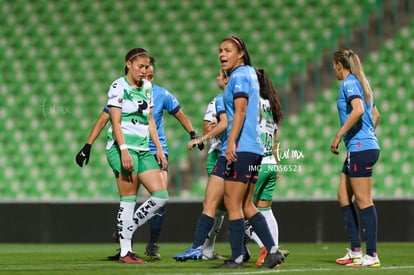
point(135, 104)
point(267, 129)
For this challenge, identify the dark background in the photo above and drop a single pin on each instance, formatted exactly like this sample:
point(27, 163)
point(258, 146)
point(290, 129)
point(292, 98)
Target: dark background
point(299, 221)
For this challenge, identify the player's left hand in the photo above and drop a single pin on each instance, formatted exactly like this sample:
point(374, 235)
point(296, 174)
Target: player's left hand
point(231, 155)
point(335, 144)
point(193, 136)
point(162, 160)
point(83, 155)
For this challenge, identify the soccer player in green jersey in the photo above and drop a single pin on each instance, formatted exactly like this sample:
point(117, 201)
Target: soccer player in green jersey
point(132, 125)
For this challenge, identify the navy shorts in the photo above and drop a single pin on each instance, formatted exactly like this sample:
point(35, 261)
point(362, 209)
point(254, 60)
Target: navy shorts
point(360, 164)
point(245, 169)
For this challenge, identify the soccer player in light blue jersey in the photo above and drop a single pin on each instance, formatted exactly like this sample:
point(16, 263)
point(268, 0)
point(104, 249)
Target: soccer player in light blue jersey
point(241, 153)
point(211, 218)
point(163, 100)
point(358, 117)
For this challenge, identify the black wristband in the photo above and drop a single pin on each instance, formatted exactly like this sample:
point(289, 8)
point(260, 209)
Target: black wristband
point(193, 135)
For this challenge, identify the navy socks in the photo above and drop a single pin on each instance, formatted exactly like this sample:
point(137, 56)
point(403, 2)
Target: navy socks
point(204, 225)
point(370, 225)
point(350, 214)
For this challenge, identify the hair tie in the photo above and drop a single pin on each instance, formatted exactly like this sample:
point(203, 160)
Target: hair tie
point(236, 40)
point(138, 54)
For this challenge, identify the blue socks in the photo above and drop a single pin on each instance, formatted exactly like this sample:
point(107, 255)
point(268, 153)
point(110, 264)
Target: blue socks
point(369, 221)
point(236, 237)
point(350, 214)
point(156, 224)
point(370, 225)
point(204, 225)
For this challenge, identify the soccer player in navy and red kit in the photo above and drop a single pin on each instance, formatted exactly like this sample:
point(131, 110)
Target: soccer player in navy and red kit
point(358, 118)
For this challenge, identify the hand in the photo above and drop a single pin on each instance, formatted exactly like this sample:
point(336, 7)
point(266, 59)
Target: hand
point(211, 125)
point(335, 144)
point(162, 160)
point(193, 136)
point(231, 152)
point(192, 143)
point(127, 162)
point(83, 155)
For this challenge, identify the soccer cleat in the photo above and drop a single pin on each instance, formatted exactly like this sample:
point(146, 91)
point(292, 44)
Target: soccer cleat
point(115, 257)
point(272, 259)
point(131, 258)
point(190, 254)
point(152, 251)
point(366, 261)
point(229, 264)
point(262, 255)
point(246, 255)
point(350, 257)
point(284, 252)
point(212, 255)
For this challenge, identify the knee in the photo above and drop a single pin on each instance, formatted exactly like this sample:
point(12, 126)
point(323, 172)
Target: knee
point(343, 200)
point(249, 210)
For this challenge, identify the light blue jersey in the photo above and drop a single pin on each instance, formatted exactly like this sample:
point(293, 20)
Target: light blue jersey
point(243, 83)
point(163, 100)
point(362, 135)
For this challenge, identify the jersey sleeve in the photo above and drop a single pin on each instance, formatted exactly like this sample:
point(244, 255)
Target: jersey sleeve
point(115, 95)
point(210, 113)
point(351, 91)
point(219, 105)
point(240, 85)
point(171, 103)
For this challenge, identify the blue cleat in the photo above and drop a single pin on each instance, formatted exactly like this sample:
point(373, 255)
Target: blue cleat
point(190, 254)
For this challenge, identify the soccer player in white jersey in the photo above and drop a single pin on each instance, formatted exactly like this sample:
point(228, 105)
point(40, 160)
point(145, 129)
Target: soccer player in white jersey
point(271, 116)
point(132, 125)
point(163, 100)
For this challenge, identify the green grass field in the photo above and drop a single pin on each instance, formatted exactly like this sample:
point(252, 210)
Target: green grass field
point(304, 258)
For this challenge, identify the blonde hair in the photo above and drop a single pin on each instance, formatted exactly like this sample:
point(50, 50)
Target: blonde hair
point(350, 60)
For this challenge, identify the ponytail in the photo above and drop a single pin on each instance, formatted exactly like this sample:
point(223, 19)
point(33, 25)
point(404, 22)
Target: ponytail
point(350, 61)
point(268, 91)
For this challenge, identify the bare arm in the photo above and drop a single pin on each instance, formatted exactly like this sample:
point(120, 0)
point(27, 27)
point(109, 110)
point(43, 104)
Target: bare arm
point(275, 145)
point(116, 114)
point(207, 126)
point(354, 117)
point(183, 119)
point(209, 133)
point(98, 127)
point(375, 116)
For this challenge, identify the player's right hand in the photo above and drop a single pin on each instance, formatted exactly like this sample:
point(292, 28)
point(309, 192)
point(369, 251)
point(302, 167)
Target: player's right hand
point(83, 155)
